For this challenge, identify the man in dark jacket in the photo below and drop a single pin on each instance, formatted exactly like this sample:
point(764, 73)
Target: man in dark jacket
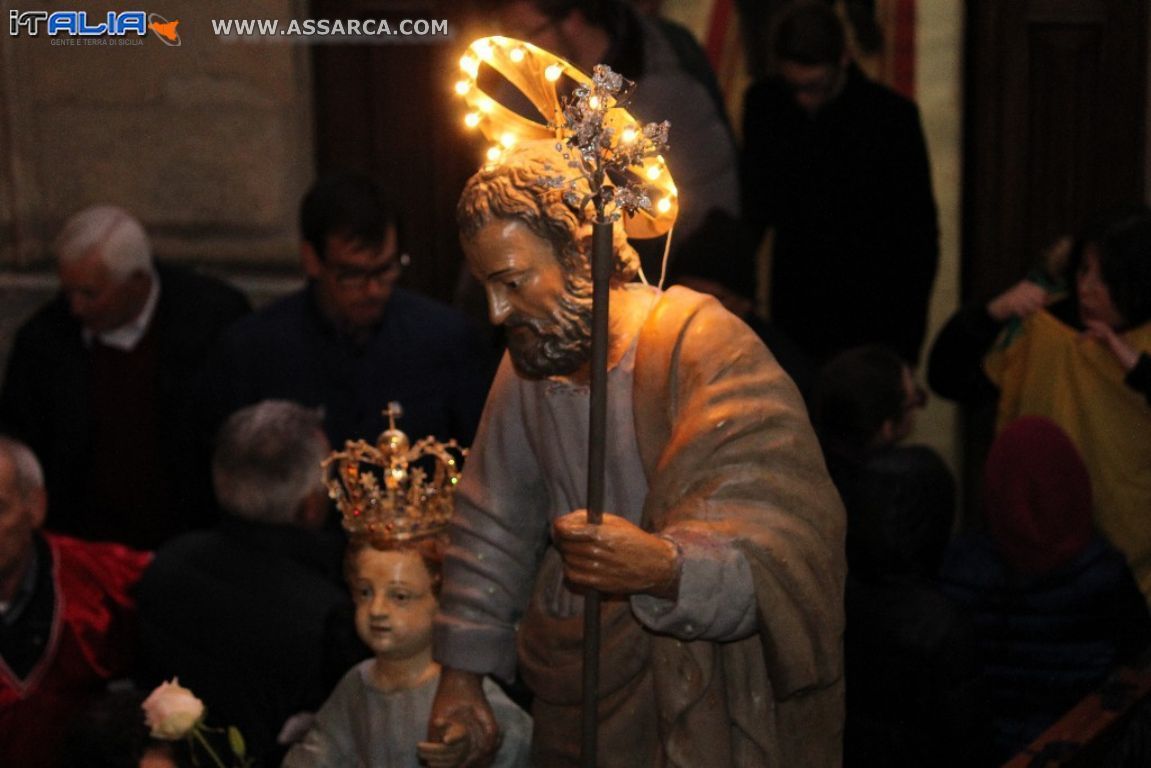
point(838, 166)
point(253, 615)
point(99, 383)
point(351, 340)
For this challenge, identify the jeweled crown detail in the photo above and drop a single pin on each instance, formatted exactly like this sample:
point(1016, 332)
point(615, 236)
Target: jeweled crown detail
point(394, 491)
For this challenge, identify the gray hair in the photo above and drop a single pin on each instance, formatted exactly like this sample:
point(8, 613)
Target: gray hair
point(28, 474)
point(116, 235)
point(267, 460)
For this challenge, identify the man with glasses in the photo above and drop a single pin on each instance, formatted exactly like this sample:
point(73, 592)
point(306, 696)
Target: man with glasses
point(837, 165)
point(351, 340)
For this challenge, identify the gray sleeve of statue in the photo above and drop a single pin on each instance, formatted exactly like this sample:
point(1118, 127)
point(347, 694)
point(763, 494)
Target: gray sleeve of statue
point(515, 729)
point(498, 530)
point(716, 598)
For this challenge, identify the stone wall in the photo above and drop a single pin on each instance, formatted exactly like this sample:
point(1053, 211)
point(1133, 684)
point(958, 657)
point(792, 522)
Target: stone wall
point(208, 143)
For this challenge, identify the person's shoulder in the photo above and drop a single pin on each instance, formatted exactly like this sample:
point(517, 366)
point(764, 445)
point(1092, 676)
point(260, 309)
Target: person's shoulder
point(688, 327)
point(96, 551)
point(51, 320)
point(766, 91)
point(358, 677)
point(930, 625)
point(177, 550)
point(425, 314)
point(681, 299)
point(412, 301)
point(911, 458)
point(659, 38)
point(1100, 566)
point(971, 565)
point(196, 289)
point(671, 48)
point(679, 37)
point(348, 695)
point(679, 307)
point(100, 566)
point(176, 561)
point(880, 98)
point(273, 320)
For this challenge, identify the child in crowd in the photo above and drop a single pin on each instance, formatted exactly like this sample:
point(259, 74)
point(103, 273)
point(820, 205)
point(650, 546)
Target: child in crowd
point(1054, 603)
point(914, 692)
point(377, 716)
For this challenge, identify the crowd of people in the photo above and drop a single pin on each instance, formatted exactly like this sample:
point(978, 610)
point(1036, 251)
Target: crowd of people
point(786, 578)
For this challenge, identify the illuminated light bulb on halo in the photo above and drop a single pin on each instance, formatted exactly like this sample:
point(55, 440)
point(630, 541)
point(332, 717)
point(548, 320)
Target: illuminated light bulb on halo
point(469, 64)
point(511, 58)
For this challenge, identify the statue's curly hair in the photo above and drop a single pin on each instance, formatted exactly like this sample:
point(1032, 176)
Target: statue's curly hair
point(514, 189)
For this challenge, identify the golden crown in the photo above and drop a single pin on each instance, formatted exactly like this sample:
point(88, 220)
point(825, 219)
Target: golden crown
point(394, 491)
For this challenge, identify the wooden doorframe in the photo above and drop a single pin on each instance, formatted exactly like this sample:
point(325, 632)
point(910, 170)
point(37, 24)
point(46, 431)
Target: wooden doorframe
point(1054, 126)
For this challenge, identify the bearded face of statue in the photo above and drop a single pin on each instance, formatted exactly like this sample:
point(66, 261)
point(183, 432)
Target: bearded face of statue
point(545, 310)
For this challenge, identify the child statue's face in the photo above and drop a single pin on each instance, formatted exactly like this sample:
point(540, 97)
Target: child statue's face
point(394, 602)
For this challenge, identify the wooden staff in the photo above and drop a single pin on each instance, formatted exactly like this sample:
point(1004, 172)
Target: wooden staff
point(601, 267)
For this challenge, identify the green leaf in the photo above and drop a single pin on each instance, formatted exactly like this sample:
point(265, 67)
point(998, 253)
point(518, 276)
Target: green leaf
point(236, 742)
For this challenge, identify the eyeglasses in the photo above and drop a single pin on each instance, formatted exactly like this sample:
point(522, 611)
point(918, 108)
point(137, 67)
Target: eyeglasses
point(350, 277)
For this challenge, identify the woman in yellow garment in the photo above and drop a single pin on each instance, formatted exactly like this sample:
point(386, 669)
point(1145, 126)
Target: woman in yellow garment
point(1081, 358)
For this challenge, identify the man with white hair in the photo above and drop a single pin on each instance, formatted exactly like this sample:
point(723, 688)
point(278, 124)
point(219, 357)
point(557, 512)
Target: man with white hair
point(65, 616)
point(99, 383)
point(267, 577)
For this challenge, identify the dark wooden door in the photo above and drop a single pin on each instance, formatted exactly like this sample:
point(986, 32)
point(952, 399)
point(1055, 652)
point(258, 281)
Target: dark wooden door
point(1054, 131)
point(1055, 125)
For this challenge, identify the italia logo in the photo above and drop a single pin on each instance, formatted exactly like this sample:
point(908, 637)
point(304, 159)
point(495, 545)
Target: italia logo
point(83, 24)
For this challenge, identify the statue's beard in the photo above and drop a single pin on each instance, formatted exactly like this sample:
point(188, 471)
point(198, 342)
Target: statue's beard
point(554, 346)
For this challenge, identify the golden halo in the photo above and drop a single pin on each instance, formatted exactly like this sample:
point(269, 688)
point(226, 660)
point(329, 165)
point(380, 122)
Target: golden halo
point(535, 73)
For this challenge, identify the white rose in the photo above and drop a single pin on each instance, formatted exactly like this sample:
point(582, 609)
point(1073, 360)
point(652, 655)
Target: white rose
point(171, 711)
